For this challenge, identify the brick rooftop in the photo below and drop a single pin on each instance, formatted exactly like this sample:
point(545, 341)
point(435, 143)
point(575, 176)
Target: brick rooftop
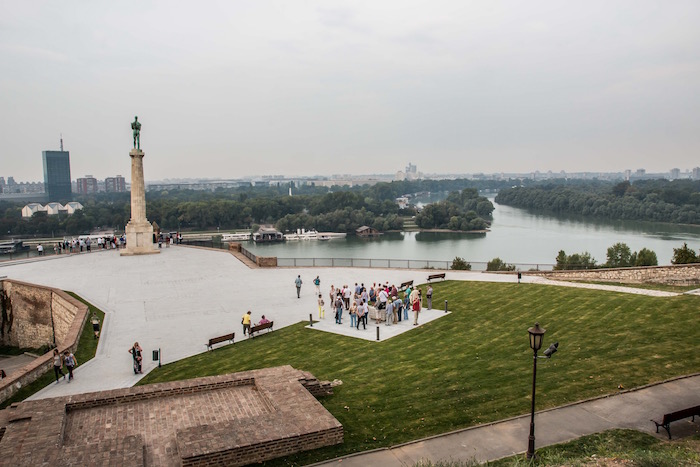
point(230, 419)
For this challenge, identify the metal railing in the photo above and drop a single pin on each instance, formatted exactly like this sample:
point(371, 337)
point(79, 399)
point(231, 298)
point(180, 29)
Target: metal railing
point(249, 255)
point(396, 264)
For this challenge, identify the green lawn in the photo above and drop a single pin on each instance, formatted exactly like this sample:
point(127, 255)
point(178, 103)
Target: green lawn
point(475, 365)
point(86, 351)
point(662, 287)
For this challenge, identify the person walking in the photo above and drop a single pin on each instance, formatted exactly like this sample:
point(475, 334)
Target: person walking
point(245, 321)
point(429, 297)
point(298, 283)
point(135, 352)
point(58, 365)
point(71, 362)
point(95, 325)
point(317, 283)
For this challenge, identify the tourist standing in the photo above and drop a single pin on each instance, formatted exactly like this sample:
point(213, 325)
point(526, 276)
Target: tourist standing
point(360, 316)
point(353, 315)
point(414, 299)
point(317, 283)
point(71, 362)
point(338, 308)
point(58, 365)
point(298, 283)
point(429, 297)
point(389, 313)
point(397, 309)
point(321, 307)
point(135, 352)
point(347, 293)
point(245, 321)
point(40, 249)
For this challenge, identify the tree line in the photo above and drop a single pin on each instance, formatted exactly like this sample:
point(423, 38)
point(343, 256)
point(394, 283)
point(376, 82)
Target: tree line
point(341, 209)
point(676, 201)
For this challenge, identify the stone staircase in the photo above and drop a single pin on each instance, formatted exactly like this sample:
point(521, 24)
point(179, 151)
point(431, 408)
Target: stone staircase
point(409, 224)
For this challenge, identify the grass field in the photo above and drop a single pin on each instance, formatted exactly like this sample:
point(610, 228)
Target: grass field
point(474, 366)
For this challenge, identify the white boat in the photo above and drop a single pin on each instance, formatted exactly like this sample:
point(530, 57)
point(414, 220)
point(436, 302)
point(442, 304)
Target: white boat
point(12, 246)
point(235, 237)
point(291, 237)
point(308, 234)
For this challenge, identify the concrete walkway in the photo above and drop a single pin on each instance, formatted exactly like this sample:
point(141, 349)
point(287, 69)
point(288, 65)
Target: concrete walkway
point(631, 409)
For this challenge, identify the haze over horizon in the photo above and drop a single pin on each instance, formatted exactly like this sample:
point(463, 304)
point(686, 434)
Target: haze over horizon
point(270, 87)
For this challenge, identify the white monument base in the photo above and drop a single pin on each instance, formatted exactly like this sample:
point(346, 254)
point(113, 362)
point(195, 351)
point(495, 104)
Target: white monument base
point(139, 239)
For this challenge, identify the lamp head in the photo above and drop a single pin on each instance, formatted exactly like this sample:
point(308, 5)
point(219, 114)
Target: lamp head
point(536, 334)
point(551, 350)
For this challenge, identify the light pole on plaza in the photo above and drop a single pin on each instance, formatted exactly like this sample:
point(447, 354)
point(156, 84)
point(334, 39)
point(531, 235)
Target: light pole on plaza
point(536, 335)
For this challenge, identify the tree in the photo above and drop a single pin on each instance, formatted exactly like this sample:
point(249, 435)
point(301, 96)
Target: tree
point(497, 264)
point(684, 255)
point(646, 257)
point(459, 264)
point(619, 256)
point(575, 261)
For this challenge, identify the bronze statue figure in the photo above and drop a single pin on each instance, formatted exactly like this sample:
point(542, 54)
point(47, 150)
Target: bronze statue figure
point(136, 126)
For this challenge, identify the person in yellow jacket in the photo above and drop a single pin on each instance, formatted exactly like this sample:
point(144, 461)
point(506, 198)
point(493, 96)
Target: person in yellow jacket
point(245, 321)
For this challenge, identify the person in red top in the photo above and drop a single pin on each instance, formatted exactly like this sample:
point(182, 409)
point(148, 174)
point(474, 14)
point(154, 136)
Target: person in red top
point(264, 320)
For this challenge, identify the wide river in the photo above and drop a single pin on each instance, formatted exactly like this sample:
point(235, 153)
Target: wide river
point(516, 236)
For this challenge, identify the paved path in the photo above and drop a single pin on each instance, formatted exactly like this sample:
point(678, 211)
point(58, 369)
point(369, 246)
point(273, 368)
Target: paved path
point(632, 409)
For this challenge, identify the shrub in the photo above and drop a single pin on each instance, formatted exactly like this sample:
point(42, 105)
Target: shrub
point(497, 264)
point(459, 264)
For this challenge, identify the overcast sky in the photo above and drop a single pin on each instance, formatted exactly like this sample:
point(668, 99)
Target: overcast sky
point(229, 89)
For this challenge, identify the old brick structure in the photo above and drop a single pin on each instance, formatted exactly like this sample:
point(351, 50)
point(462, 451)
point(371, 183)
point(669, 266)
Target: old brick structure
point(33, 316)
point(233, 419)
point(678, 274)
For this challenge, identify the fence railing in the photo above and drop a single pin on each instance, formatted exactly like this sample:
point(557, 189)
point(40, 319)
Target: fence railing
point(249, 255)
point(395, 264)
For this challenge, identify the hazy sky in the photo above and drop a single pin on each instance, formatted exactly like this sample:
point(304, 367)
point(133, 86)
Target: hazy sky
point(235, 88)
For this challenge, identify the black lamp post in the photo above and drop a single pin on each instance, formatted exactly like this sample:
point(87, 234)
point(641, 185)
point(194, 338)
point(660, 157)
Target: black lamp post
point(536, 335)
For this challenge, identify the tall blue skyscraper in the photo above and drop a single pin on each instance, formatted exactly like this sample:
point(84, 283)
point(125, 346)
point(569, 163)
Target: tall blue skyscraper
point(57, 175)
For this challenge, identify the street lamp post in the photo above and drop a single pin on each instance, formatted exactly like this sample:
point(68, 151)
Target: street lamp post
point(536, 335)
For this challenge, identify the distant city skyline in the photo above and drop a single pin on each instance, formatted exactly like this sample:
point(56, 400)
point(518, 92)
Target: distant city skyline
point(270, 87)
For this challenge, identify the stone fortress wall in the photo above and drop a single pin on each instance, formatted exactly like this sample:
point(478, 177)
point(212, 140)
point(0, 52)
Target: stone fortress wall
point(677, 274)
point(33, 316)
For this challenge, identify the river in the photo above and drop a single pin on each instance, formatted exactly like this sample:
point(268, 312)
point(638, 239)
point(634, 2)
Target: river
point(516, 236)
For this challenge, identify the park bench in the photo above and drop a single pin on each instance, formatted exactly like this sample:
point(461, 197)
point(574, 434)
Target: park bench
point(217, 340)
point(436, 276)
point(260, 327)
point(675, 416)
point(404, 285)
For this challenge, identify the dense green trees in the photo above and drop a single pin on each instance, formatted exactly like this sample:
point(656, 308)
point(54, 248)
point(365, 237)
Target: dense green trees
point(460, 264)
point(675, 201)
point(619, 255)
point(340, 209)
point(463, 210)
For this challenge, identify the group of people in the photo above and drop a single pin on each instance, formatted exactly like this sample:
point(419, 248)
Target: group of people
point(66, 358)
point(357, 300)
point(246, 320)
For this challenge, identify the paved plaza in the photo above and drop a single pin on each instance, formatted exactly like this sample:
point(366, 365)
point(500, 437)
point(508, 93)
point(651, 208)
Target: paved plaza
point(177, 300)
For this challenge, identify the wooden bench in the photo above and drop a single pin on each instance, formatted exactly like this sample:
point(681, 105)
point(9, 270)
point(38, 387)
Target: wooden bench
point(260, 327)
point(217, 340)
point(436, 276)
point(404, 285)
point(675, 416)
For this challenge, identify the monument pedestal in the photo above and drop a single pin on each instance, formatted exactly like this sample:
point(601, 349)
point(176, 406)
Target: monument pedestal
point(139, 232)
point(139, 239)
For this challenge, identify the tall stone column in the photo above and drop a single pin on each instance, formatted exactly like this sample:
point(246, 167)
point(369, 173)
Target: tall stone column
point(139, 232)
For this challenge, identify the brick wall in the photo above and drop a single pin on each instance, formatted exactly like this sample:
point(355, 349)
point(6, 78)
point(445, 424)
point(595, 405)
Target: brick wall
point(30, 317)
point(270, 262)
